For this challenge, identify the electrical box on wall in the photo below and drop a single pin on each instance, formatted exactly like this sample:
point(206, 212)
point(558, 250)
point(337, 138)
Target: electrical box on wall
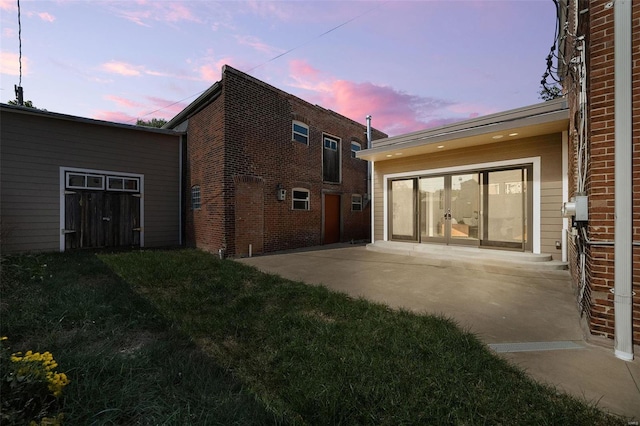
point(578, 207)
point(282, 194)
point(582, 208)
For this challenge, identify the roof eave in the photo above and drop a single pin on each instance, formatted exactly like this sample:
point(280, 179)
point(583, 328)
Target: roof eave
point(554, 115)
point(201, 101)
point(77, 119)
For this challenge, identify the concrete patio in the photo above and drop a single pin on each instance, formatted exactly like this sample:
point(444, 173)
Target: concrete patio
point(528, 316)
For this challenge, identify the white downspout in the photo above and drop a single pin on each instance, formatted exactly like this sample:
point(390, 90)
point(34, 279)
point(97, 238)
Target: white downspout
point(369, 183)
point(623, 268)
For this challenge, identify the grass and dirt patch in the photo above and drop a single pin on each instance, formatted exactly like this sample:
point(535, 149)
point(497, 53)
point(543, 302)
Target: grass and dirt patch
point(181, 337)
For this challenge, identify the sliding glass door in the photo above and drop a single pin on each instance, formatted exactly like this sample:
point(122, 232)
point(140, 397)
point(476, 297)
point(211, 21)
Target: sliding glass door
point(506, 222)
point(480, 208)
point(404, 210)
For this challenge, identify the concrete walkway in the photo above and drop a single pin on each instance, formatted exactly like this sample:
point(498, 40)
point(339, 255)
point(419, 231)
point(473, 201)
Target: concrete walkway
point(527, 316)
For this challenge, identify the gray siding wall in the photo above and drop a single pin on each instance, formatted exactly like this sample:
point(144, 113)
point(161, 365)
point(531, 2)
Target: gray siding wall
point(34, 147)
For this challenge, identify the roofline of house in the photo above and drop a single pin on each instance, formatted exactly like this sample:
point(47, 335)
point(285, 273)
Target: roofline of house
point(214, 91)
point(541, 113)
point(66, 117)
point(201, 101)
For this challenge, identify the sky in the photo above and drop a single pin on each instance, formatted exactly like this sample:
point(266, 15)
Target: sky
point(412, 65)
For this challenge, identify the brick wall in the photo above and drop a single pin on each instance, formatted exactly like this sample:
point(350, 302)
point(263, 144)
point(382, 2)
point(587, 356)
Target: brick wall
point(205, 227)
point(598, 26)
point(246, 136)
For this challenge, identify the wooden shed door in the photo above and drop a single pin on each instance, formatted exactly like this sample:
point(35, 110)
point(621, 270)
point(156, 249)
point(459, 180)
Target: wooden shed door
point(331, 218)
point(101, 219)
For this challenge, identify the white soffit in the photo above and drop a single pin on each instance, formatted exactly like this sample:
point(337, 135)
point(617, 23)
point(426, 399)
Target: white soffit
point(541, 119)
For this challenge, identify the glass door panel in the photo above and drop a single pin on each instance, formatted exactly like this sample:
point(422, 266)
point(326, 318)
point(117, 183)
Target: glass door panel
point(432, 208)
point(506, 204)
point(403, 209)
point(465, 200)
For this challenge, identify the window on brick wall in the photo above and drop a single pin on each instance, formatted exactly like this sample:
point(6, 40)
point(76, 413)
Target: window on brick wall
point(300, 199)
point(300, 132)
point(355, 147)
point(195, 197)
point(356, 202)
point(331, 159)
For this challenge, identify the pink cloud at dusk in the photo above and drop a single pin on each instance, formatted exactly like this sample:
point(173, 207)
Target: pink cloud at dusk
point(394, 112)
point(46, 17)
point(123, 102)
point(258, 45)
point(9, 63)
point(8, 5)
point(121, 68)
point(279, 10)
point(163, 108)
point(141, 13)
point(115, 116)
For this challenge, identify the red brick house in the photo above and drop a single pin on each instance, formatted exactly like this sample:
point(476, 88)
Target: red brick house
point(267, 171)
point(599, 64)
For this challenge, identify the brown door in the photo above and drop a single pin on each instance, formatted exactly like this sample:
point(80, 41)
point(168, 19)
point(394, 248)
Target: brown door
point(331, 218)
point(101, 219)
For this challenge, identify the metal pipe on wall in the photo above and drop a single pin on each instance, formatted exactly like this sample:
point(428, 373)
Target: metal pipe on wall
point(623, 251)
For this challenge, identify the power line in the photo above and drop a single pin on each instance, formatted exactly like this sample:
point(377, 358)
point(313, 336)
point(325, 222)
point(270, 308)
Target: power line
point(275, 57)
point(18, 88)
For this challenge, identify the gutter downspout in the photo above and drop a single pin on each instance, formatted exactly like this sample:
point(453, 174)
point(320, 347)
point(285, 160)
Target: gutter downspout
point(623, 269)
point(369, 186)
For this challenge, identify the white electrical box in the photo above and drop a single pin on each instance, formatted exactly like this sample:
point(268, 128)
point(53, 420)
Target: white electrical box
point(582, 208)
point(578, 208)
point(282, 194)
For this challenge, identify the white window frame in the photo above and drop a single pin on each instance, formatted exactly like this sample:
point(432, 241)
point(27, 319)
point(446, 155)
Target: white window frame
point(294, 132)
point(63, 180)
point(536, 181)
point(353, 152)
point(195, 189)
point(356, 200)
point(306, 200)
point(333, 143)
point(85, 175)
point(123, 189)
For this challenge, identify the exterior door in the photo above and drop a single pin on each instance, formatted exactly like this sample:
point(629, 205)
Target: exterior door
point(101, 219)
point(449, 209)
point(461, 218)
point(507, 222)
point(331, 218)
point(404, 209)
point(489, 208)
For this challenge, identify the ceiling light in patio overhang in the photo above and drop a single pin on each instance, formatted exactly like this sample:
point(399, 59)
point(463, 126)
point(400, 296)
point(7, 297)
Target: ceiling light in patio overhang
point(398, 153)
point(498, 136)
point(389, 155)
point(440, 146)
point(513, 134)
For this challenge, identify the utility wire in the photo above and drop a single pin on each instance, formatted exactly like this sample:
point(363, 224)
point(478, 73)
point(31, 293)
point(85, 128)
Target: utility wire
point(19, 45)
point(275, 57)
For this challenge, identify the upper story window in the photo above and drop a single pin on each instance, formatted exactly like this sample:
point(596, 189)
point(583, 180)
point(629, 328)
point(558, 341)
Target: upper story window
point(300, 132)
point(300, 199)
point(331, 159)
point(355, 147)
point(195, 197)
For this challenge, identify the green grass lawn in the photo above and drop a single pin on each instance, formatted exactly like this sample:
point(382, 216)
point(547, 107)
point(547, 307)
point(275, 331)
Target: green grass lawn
point(181, 337)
